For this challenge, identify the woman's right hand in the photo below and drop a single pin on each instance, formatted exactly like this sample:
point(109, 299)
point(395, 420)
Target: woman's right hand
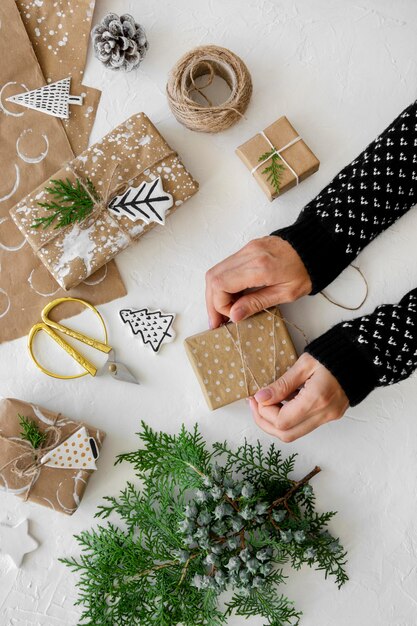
point(270, 266)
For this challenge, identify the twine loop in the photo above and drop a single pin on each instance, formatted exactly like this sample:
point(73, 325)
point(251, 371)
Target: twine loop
point(208, 61)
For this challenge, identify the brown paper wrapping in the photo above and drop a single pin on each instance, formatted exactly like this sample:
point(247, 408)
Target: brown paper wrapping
point(299, 156)
point(25, 284)
point(59, 32)
point(59, 489)
point(236, 360)
point(81, 249)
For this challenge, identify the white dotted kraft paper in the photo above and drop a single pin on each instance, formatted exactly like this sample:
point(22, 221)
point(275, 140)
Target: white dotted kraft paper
point(234, 361)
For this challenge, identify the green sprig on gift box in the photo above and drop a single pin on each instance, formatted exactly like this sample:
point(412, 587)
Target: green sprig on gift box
point(72, 203)
point(30, 432)
point(273, 171)
point(205, 521)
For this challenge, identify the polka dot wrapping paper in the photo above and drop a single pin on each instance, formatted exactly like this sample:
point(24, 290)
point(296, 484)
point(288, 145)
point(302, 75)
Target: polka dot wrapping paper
point(132, 154)
point(234, 361)
point(50, 484)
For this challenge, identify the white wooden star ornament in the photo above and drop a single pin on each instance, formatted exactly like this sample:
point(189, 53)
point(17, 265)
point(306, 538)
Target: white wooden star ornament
point(15, 541)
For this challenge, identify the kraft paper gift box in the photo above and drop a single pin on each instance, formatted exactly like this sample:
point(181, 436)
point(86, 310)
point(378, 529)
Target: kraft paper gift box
point(21, 473)
point(133, 153)
point(298, 160)
point(234, 361)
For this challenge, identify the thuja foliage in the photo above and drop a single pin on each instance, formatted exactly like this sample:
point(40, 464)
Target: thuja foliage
point(205, 521)
point(72, 202)
point(30, 432)
point(273, 171)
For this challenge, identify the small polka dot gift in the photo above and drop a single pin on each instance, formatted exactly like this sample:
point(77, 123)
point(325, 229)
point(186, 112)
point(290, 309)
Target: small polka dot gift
point(236, 360)
point(45, 457)
point(104, 200)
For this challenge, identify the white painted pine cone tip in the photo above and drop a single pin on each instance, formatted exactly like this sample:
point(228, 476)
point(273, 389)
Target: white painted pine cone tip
point(120, 43)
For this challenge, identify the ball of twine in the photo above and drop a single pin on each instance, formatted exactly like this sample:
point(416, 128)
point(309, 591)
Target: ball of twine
point(208, 61)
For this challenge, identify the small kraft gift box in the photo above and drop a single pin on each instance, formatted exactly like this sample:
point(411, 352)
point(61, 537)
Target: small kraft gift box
point(234, 361)
point(46, 457)
point(278, 158)
point(129, 182)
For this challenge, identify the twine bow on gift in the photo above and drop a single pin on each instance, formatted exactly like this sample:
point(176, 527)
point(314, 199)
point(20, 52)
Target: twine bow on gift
point(101, 202)
point(33, 467)
point(278, 152)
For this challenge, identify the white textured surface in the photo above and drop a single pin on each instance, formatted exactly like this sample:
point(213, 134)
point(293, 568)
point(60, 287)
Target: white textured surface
point(341, 70)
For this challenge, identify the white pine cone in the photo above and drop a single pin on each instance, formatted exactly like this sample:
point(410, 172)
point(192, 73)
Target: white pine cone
point(119, 42)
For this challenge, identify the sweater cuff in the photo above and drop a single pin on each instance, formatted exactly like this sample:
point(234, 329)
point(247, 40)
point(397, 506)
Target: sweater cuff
point(323, 259)
point(346, 361)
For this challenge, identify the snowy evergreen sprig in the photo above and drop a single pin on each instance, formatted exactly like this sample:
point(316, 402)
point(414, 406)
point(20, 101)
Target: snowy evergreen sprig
point(205, 522)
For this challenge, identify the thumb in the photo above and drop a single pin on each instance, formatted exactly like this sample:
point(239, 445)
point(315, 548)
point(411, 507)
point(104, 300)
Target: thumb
point(287, 384)
point(254, 302)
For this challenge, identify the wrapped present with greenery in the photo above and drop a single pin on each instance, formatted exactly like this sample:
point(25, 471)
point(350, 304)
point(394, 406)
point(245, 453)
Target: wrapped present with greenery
point(236, 360)
point(102, 201)
point(278, 158)
point(45, 457)
point(205, 536)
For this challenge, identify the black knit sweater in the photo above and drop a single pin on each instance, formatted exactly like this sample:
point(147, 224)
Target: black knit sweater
point(363, 200)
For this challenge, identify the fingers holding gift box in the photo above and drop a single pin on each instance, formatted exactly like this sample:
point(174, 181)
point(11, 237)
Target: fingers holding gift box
point(45, 457)
point(234, 361)
point(278, 158)
point(103, 200)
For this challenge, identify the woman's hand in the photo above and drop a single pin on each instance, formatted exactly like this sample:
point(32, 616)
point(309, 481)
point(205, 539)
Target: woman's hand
point(270, 265)
point(321, 399)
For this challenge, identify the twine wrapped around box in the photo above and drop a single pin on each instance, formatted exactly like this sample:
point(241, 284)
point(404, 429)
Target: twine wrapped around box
point(21, 470)
point(235, 360)
point(141, 155)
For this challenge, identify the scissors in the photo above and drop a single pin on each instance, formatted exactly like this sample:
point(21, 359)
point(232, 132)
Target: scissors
point(114, 368)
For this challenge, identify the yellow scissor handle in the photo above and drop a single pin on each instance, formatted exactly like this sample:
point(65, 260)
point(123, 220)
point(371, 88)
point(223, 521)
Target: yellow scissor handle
point(89, 341)
point(49, 326)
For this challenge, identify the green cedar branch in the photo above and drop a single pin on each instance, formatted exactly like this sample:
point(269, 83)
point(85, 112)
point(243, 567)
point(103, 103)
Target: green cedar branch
point(274, 170)
point(31, 432)
point(73, 202)
point(206, 520)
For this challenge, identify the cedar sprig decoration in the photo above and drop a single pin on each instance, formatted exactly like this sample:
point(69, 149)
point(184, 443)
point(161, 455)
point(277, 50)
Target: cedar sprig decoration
point(273, 171)
point(205, 521)
point(30, 432)
point(72, 203)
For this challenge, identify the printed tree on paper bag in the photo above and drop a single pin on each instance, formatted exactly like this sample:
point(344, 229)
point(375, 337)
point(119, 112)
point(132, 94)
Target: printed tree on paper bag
point(154, 327)
point(53, 99)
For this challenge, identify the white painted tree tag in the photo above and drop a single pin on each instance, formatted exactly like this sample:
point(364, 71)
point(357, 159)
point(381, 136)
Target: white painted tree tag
point(154, 327)
point(149, 202)
point(79, 451)
point(53, 99)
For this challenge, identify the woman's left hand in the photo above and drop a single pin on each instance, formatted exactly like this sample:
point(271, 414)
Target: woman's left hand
point(320, 399)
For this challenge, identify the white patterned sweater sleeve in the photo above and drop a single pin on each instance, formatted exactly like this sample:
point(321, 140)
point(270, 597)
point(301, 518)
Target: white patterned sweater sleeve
point(362, 201)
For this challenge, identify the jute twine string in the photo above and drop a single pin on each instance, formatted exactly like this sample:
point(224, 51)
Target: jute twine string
point(238, 347)
point(101, 202)
point(208, 61)
point(344, 306)
point(33, 468)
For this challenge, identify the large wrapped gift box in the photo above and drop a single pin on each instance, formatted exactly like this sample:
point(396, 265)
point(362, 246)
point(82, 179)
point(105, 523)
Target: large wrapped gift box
point(133, 153)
